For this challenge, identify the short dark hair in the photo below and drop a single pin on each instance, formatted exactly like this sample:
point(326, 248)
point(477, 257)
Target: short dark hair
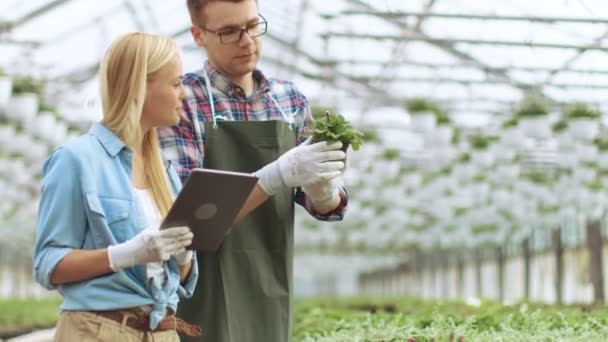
point(196, 6)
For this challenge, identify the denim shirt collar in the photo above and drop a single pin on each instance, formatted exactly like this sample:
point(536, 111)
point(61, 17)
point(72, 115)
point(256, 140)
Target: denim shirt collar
point(110, 142)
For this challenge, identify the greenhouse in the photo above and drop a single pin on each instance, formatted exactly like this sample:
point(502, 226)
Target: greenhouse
point(476, 202)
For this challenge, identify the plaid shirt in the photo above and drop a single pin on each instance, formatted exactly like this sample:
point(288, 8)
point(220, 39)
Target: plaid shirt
point(184, 144)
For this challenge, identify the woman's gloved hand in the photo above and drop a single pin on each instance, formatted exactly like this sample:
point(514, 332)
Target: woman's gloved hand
point(150, 245)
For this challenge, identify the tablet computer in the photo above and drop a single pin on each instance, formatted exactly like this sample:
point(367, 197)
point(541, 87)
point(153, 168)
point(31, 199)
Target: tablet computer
point(208, 203)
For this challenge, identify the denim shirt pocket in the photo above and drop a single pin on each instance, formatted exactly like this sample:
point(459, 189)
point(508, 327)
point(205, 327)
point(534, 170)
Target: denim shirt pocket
point(111, 213)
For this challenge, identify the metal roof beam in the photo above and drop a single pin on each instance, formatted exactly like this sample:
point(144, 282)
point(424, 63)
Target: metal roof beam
point(36, 13)
point(443, 41)
point(438, 80)
point(405, 14)
point(464, 65)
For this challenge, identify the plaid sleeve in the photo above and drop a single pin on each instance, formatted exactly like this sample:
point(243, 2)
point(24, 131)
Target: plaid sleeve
point(180, 143)
point(335, 215)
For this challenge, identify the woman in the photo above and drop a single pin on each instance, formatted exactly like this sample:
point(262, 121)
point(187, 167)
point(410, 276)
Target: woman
point(103, 197)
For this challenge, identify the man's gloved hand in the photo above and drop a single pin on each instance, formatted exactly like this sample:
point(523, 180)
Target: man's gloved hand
point(302, 165)
point(150, 245)
point(323, 192)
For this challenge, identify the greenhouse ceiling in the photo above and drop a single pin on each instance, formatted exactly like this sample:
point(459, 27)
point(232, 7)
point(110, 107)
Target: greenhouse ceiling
point(476, 56)
point(367, 59)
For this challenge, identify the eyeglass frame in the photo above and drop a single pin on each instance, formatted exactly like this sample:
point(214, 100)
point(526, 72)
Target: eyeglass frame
point(242, 31)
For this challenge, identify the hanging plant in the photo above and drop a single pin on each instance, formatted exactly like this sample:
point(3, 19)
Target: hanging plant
point(420, 105)
point(533, 106)
point(371, 135)
point(333, 127)
point(512, 122)
point(480, 142)
point(601, 143)
point(559, 126)
point(578, 110)
point(391, 154)
point(26, 84)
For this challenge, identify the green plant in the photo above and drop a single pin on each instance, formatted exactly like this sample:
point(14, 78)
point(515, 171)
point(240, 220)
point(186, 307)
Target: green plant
point(480, 142)
point(371, 135)
point(26, 84)
point(581, 110)
point(420, 105)
point(390, 154)
point(559, 126)
point(335, 128)
point(533, 105)
point(601, 143)
point(2, 72)
point(512, 122)
point(318, 112)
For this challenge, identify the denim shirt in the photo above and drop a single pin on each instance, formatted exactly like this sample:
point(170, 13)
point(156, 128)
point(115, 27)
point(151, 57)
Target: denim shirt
point(88, 202)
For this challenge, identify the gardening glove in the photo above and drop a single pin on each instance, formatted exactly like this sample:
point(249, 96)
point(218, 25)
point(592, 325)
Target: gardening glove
point(323, 192)
point(150, 245)
point(302, 165)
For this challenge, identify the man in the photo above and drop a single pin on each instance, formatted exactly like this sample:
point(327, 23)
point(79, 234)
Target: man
point(237, 119)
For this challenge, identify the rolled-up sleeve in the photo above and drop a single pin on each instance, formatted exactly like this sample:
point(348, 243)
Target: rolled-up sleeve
point(186, 290)
point(61, 215)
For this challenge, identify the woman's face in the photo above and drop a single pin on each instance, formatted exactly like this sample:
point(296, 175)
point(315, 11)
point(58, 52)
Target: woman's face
point(164, 96)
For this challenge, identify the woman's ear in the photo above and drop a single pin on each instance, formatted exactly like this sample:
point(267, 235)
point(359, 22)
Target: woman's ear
point(198, 36)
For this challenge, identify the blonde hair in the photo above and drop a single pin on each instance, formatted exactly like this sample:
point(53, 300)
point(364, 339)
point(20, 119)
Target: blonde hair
point(130, 62)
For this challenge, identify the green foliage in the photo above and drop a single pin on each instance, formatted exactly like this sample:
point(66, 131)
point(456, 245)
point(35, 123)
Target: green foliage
point(26, 84)
point(23, 315)
point(601, 143)
point(407, 319)
point(464, 158)
point(578, 110)
point(537, 177)
point(559, 126)
point(371, 135)
point(512, 122)
point(481, 142)
point(596, 185)
point(333, 127)
point(318, 112)
point(533, 105)
point(391, 154)
point(422, 105)
point(456, 136)
point(2, 72)
point(483, 228)
point(47, 107)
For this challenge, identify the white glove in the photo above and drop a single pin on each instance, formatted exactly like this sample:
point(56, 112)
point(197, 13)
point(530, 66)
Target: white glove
point(184, 257)
point(302, 165)
point(149, 246)
point(323, 192)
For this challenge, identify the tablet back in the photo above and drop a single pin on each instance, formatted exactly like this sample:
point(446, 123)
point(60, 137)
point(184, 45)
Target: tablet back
point(208, 203)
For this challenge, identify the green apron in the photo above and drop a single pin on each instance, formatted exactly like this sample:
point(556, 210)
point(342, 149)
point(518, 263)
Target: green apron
point(244, 290)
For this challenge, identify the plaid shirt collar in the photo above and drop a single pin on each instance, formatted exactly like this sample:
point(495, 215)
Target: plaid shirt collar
point(226, 86)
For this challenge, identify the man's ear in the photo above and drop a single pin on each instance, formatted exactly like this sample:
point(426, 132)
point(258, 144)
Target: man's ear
point(197, 36)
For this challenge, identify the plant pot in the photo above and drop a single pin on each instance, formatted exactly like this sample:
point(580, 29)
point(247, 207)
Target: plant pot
point(535, 126)
point(6, 85)
point(23, 107)
point(423, 122)
point(583, 129)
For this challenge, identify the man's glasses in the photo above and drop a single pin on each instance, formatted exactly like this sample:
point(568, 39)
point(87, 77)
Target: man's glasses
point(230, 36)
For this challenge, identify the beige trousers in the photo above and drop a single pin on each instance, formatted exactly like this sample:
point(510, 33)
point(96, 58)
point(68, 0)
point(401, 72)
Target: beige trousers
point(82, 326)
